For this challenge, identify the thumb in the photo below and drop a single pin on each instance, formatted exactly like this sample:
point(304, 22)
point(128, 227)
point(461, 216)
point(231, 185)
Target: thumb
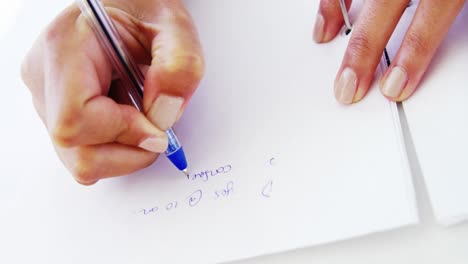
point(177, 66)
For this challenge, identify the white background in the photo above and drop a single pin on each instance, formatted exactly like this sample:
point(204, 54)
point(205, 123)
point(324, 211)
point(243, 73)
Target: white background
point(425, 243)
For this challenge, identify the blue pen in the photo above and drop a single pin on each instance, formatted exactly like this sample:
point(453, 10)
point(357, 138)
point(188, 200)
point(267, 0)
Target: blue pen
point(127, 69)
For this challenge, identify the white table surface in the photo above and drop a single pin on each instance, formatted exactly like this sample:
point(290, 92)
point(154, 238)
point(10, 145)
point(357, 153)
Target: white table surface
point(427, 243)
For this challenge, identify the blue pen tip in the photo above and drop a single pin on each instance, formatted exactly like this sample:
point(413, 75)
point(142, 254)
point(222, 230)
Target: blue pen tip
point(178, 159)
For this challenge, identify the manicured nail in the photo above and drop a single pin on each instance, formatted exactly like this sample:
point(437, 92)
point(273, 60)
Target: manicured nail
point(345, 86)
point(154, 144)
point(319, 28)
point(165, 110)
point(395, 82)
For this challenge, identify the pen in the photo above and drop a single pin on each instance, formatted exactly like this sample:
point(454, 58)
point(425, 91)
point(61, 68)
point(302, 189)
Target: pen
point(127, 69)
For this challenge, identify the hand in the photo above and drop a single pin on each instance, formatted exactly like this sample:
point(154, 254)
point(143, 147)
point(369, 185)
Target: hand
point(70, 76)
point(370, 35)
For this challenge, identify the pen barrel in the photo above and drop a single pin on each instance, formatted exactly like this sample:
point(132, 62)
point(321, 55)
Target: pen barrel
point(174, 144)
point(126, 68)
point(123, 63)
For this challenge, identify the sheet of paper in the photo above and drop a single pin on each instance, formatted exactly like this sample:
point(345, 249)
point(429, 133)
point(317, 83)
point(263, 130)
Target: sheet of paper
point(437, 115)
point(277, 164)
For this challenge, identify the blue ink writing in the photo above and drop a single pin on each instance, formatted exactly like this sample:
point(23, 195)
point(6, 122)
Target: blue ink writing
point(267, 189)
point(272, 162)
point(171, 206)
point(149, 211)
point(206, 175)
point(226, 191)
point(195, 198)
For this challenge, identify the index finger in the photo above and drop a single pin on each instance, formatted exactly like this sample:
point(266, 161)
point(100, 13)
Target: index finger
point(78, 76)
point(176, 68)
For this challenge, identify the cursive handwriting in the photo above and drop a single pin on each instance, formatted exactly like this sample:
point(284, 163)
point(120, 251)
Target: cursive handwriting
point(171, 206)
point(207, 174)
point(149, 211)
point(226, 191)
point(192, 201)
point(201, 196)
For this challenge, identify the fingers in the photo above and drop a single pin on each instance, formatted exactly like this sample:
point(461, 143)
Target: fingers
point(429, 26)
point(89, 164)
point(166, 30)
point(101, 120)
point(70, 76)
point(78, 77)
point(176, 68)
point(329, 20)
point(369, 37)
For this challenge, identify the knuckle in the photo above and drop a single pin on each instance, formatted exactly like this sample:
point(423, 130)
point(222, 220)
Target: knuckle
point(183, 70)
point(59, 27)
point(83, 169)
point(360, 45)
point(65, 130)
point(190, 65)
point(125, 124)
point(179, 16)
point(196, 67)
point(84, 176)
point(182, 16)
point(416, 44)
point(52, 35)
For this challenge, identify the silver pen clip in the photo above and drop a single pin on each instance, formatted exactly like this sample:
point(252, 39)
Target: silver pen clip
point(346, 19)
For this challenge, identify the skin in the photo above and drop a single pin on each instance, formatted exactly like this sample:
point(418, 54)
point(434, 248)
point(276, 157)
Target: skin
point(70, 77)
point(372, 31)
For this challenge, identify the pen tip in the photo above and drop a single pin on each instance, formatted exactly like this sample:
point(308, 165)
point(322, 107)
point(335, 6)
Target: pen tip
point(186, 172)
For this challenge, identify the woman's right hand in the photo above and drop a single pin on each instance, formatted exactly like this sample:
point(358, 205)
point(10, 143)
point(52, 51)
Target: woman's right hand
point(69, 76)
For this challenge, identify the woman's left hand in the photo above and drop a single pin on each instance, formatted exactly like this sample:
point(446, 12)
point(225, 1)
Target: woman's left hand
point(370, 35)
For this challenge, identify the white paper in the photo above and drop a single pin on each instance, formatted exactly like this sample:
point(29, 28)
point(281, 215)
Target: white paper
point(300, 169)
point(437, 116)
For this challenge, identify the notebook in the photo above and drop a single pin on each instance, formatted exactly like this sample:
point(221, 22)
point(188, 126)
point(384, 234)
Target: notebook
point(437, 115)
point(277, 164)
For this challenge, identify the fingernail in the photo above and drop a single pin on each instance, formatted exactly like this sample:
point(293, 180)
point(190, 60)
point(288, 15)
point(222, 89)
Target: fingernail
point(165, 110)
point(395, 82)
point(345, 86)
point(319, 28)
point(154, 144)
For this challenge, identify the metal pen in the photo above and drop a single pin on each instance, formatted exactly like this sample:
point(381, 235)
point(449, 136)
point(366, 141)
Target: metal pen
point(127, 70)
